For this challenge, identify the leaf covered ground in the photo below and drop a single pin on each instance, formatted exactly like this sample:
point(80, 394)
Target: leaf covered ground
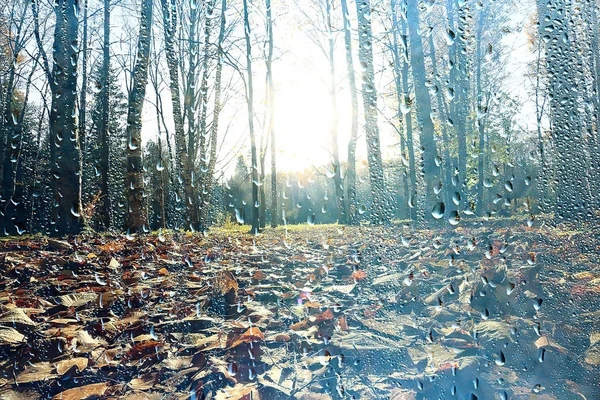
point(315, 312)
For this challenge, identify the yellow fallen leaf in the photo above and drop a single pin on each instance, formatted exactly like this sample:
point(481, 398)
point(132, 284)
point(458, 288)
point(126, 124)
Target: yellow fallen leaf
point(584, 275)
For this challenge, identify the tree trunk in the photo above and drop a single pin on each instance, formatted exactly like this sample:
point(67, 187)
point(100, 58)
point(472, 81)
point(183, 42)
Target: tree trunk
point(404, 104)
point(460, 84)
point(84, 79)
point(351, 207)
point(250, 101)
point(7, 121)
point(184, 157)
point(539, 114)
point(423, 103)
point(481, 119)
point(204, 211)
point(572, 192)
point(64, 129)
point(204, 94)
point(190, 96)
point(12, 162)
point(335, 151)
point(271, 110)
point(379, 209)
point(161, 172)
point(135, 172)
point(106, 211)
point(448, 195)
point(593, 96)
point(261, 189)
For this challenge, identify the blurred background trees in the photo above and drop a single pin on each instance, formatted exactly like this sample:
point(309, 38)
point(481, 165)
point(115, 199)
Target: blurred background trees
point(143, 115)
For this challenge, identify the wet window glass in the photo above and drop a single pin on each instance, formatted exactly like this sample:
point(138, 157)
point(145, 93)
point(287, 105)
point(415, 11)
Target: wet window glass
point(299, 199)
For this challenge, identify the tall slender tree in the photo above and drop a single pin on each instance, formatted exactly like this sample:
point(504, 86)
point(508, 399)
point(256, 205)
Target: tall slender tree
point(335, 150)
point(84, 82)
point(350, 177)
point(404, 105)
point(271, 111)
point(460, 81)
point(183, 153)
point(105, 218)
point(379, 208)
point(572, 189)
point(429, 161)
point(135, 171)
point(15, 42)
point(210, 174)
point(250, 103)
point(450, 195)
point(481, 113)
point(64, 130)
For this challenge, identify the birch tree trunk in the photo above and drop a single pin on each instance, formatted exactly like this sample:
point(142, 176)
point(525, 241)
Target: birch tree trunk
point(250, 102)
point(214, 133)
point(84, 79)
point(442, 109)
point(271, 110)
point(351, 207)
point(184, 156)
point(135, 172)
point(479, 208)
point(379, 209)
point(461, 90)
point(402, 91)
point(423, 104)
point(105, 216)
point(335, 150)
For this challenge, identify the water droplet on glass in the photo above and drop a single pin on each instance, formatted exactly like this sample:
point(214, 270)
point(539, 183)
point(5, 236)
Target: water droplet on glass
point(438, 210)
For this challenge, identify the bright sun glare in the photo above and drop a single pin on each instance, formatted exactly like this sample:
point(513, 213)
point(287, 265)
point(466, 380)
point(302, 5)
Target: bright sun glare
point(303, 123)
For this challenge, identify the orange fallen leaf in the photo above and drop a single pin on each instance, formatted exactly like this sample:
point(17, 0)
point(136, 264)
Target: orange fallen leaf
point(282, 337)
point(343, 323)
point(142, 349)
point(253, 334)
point(324, 316)
point(358, 275)
point(259, 275)
point(163, 271)
point(298, 326)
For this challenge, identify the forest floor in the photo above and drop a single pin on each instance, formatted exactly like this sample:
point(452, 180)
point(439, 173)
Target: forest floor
point(483, 311)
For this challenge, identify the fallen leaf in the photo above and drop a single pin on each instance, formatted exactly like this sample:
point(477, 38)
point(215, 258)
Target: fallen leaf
point(546, 341)
point(113, 264)
point(36, 372)
point(77, 299)
point(16, 316)
point(10, 335)
point(358, 275)
point(327, 315)
point(80, 363)
point(282, 337)
point(142, 349)
point(92, 391)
